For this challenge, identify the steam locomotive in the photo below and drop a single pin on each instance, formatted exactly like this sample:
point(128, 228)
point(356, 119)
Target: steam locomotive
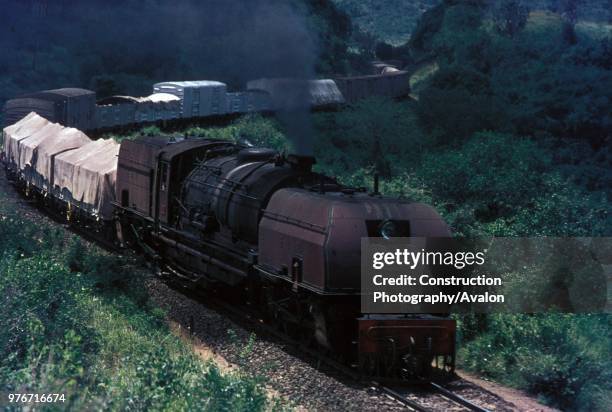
point(255, 225)
point(283, 238)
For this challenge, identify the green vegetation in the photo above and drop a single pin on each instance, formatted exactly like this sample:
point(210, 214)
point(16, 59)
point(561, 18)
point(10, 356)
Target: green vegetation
point(77, 322)
point(389, 20)
point(394, 21)
point(563, 358)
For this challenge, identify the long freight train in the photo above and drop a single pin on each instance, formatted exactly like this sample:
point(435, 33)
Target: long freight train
point(75, 107)
point(250, 222)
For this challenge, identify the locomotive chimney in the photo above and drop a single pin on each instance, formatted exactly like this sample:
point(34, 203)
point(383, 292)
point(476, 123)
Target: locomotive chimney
point(376, 192)
point(302, 164)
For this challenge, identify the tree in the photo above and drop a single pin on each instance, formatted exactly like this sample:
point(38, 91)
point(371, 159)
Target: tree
point(379, 133)
point(509, 16)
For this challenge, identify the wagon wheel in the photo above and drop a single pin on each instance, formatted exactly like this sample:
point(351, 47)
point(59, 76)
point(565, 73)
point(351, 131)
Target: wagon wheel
point(449, 364)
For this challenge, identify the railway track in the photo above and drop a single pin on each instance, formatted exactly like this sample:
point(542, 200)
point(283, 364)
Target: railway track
point(400, 395)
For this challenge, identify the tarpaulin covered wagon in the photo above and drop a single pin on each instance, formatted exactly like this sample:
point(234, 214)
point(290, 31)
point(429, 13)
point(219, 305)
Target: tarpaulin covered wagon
point(17, 132)
point(290, 94)
point(66, 140)
point(85, 177)
point(27, 148)
point(65, 162)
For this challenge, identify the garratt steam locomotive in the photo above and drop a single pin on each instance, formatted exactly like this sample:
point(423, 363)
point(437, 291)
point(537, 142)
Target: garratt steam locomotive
point(281, 237)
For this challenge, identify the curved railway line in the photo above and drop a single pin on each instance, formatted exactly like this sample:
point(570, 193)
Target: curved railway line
point(415, 397)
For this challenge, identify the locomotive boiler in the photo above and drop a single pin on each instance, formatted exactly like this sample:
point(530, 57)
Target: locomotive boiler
point(265, 230)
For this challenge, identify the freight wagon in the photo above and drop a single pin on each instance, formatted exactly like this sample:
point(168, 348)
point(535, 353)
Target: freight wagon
point(201, 99)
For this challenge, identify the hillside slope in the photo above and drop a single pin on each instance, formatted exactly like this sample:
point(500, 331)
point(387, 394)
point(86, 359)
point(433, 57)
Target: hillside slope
point(390, 20)
point(394, 20)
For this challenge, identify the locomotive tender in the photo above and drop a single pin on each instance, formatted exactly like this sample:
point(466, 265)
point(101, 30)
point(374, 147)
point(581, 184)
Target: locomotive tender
point(254, 225)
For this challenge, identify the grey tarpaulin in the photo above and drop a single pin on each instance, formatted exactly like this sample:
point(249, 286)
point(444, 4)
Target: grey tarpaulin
point(67, 139)
point(283, 92)
point(86, 176)
point(21, 130)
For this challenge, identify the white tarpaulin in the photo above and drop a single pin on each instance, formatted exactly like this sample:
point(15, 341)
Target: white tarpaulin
point(26, 148)
point(9, 132)
point(21, 130)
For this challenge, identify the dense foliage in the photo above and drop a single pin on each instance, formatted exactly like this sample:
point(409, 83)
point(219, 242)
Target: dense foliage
point(563, 358)
point(389, 20)
point(393, 21)
point(77, 322)
point(511, 136)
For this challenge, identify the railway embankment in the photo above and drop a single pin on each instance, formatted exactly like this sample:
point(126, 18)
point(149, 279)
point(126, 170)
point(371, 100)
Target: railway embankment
point(101, 329)
point(76, 323)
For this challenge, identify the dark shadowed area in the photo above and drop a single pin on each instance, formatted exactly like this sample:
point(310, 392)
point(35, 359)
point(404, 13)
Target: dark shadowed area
point(123, 47)
point(88, 43)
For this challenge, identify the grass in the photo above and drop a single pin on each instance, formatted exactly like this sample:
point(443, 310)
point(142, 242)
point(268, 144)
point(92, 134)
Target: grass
point(77, 321)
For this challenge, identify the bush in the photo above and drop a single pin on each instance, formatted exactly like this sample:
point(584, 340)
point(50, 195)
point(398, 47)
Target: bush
point(565, 358)
point(375, 133)
point(77, 321)
point(250, 130)
point(501, 185)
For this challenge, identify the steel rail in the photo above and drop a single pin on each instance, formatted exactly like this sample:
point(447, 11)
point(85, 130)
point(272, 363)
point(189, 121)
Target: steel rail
point(454, 397)
point(401, 398)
